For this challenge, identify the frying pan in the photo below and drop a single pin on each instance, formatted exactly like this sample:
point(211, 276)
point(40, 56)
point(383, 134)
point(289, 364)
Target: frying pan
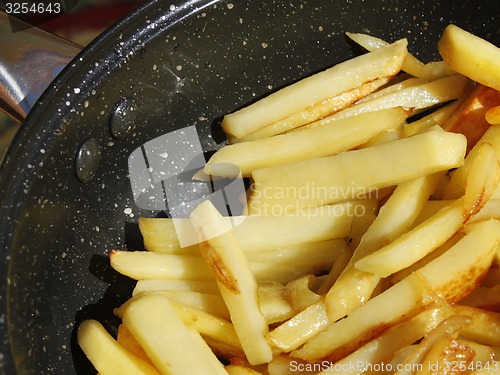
point(166, 66)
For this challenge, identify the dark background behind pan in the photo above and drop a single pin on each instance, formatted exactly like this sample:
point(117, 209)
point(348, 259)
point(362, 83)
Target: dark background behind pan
point(176, 64)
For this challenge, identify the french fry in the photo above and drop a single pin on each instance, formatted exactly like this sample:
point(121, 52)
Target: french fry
point(107, 355)
point(470, 116)
point(264, 233)
point(329, 250)
point(205, 287)
point(470, 55)
point(393, 279)
point(274, 303)
point(279, 302)
point(313, 113)
point(210, 303)
point(458, 271)
point(416, 97)
point(208, 325)
point(160, 235)
point(416, 244)
point(456, 186)
point(314, 89)
point(298, 330)
point(411, 65)
point(125, 338)
point(235, 280)
point(352, 173)
point(330, 139)
point(142, 265)
point(492, 115)
point(156, 326)
point(484, 327)
point(392, 88)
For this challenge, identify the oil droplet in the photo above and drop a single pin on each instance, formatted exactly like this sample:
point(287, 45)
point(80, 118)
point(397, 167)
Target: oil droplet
point(123, 118)
point(87, 160)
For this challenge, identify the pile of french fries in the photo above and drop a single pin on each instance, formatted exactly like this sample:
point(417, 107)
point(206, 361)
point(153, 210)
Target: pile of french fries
point(371, 241)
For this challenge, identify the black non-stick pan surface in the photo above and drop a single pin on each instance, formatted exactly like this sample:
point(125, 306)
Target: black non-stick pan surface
point(167, 66)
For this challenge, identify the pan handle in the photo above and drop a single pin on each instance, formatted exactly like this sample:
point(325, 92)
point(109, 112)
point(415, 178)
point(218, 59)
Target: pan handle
point(29, 61)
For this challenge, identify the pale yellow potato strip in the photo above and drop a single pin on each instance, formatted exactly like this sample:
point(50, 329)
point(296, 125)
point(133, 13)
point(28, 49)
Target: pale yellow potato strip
point(236, 282)
point(142, 265)
point(107, 355)
point(316, 88)
point(299, 329)
point(471, 56)
point(493, 115)
point(411, 65)
point(164, 337)
point(392, 89)
point(274, 303)
point(415, 244)
point(267, 233)
point(329, 250)
point(456, 186)
point(160, 236)
point(484, 327)
point(208, 287)
point(185, 269)
point(210, 303)
point(315, 112)
point(326, 140)
point(331, 179)
point(207, 324)
point(416, 97)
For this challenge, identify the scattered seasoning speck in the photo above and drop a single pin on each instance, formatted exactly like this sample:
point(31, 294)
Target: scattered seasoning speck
point(172, 7)
point(264, 45)
point(230, 6)
point(127, 211)
point(178, 67)
point(76, 90)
